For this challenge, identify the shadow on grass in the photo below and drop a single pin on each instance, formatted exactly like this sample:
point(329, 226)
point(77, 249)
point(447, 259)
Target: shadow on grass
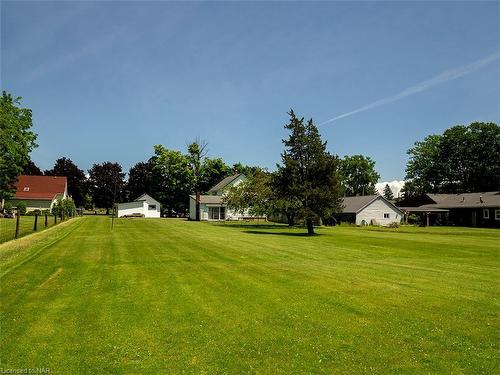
point(252, 225)
point(301, 234)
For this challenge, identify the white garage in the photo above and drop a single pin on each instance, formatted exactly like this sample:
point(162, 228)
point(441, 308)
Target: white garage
point(144, 206)
point(369, 209)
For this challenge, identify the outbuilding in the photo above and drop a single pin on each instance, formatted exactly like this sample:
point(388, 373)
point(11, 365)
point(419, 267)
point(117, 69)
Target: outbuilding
point(144, 206)
point(369, 209)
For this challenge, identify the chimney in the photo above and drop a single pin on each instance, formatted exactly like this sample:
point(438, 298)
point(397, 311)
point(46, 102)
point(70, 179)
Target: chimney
point(481, 199)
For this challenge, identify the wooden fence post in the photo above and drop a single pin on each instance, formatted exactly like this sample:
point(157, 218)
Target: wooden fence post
point(35, 223)
point(55, 218)
point(17, 223)
point(46, 220)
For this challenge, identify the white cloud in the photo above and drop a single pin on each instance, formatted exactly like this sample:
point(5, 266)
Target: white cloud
point(445, 76)
point(395, 186)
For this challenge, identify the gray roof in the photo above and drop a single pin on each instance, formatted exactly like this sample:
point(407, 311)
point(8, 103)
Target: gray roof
point(353, 205)
point(209, 199)
point(466, 200)
point(423, 209)
point(221, 185)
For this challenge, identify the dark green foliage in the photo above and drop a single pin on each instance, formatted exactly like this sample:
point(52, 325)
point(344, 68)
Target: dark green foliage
point(7, 207)
point(358, 175)
point(76, 178)
point(106, 184)
point(140, 181)
point(173, 179)
point(16, 142)
point(244, 169)
point(21, 207)
point(388, 192)
point(31, 169)
point(462, 159)
point(311, 173)
point(213, 171)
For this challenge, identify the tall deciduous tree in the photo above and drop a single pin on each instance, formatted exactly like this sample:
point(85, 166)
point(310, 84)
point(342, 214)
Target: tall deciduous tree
point(197, 151)
point(253, 196)
point(173, 179)
point(31, 169)
point(462, 159)
point(16, 142)
point(76, 178)
point(388, 192)
point(106, 184)
point(358, 175)
point(213, 171)
point(140, 180)
point(313, 172)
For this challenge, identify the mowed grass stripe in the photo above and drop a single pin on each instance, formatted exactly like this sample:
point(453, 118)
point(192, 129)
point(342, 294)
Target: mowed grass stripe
point(171, 296)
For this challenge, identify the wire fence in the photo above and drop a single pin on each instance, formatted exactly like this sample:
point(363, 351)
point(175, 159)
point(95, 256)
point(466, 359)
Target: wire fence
point(19, 225)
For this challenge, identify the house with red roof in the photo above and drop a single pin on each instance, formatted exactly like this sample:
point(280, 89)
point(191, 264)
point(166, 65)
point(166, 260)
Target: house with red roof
point(40, 192)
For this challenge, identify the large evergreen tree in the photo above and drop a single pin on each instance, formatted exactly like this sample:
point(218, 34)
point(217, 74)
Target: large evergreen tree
point(388, 192)
point(16, 142)
point(76, 178)
point(312, 172)
point(106, 184)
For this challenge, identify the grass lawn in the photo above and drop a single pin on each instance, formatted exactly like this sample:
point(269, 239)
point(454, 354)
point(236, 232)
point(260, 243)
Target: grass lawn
point(8, 226)
point(165, 296)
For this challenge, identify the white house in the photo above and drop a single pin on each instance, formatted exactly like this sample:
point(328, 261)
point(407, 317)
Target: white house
point(369, 209)
point(144, 206)
point(212, 206)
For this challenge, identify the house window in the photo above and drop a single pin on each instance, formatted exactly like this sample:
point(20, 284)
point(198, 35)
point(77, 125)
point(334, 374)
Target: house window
point(497, 214)
point(486, 213)
point(216, 213)
point(152, 207)
point(213, 213)
point(26, 188)
point(386, 216)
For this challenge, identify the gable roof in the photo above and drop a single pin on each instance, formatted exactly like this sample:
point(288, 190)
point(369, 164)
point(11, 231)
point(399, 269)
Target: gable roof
point(465, 200)
point(209, 199)
point(145, 197)
point(353, 205)
point(222, 184)
point(40, 187)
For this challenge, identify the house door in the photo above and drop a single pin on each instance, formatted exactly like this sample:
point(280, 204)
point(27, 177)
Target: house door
point(474, 218)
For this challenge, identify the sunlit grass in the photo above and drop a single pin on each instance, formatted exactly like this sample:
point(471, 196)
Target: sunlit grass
point(166, 296)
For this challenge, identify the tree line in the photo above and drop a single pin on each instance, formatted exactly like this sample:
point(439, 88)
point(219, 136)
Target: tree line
point(307, 184)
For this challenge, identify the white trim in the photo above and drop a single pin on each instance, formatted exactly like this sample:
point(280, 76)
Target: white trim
point(497, 214)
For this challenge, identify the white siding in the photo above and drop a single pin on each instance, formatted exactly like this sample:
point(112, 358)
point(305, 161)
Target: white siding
point(140, 207)
point(192, 208)
point(375, 211)
point(130, 208)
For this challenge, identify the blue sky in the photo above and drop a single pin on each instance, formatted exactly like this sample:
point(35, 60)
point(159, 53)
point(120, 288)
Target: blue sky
point(108, 80)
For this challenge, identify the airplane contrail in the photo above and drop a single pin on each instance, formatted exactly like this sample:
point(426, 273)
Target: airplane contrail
point(446, 76)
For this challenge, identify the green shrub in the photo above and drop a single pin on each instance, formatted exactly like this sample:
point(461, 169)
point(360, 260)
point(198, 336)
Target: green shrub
point(414, 219)
point(21, 207)
point(7, 207)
